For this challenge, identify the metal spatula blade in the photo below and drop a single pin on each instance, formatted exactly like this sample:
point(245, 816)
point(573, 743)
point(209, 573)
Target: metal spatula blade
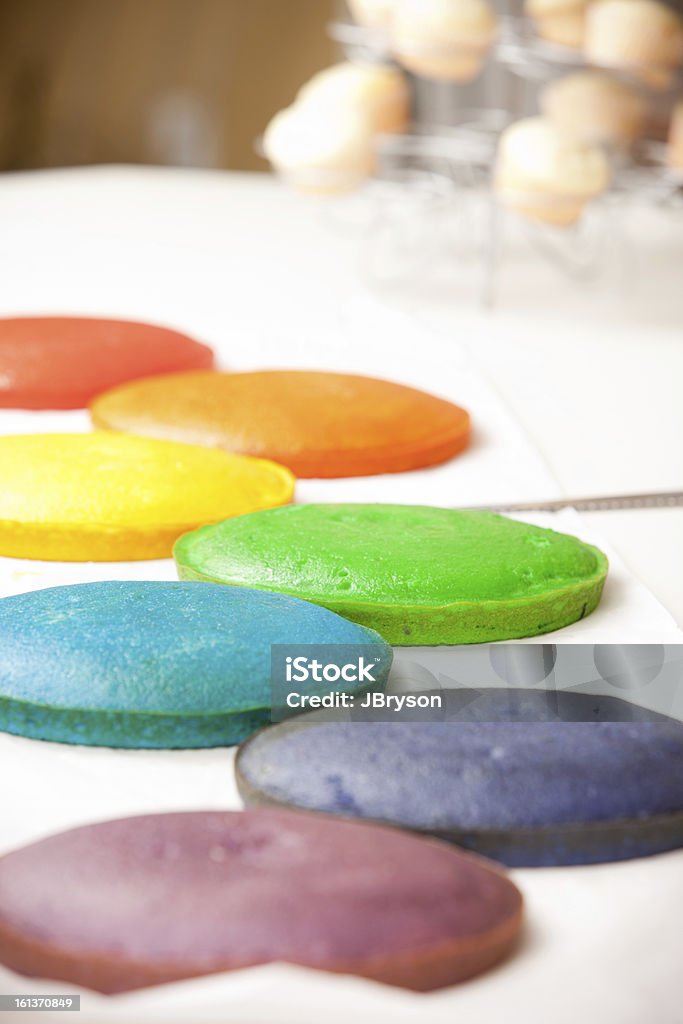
point(604, 503)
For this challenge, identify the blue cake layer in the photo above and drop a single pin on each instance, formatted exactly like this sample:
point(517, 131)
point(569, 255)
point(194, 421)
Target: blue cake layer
point(525, 791)
point(141, 664)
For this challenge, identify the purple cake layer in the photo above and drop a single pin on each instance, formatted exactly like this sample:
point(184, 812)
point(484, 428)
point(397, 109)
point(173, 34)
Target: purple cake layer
point(142, 901)
point(508, 778)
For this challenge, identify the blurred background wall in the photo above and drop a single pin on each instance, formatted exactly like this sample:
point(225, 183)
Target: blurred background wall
point(181, 82)
point(185, 82)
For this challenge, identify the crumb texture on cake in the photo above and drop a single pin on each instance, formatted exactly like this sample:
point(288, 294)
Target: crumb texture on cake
point(608, 790)
point(416, 574)
point(157, 898)
point(149, 664)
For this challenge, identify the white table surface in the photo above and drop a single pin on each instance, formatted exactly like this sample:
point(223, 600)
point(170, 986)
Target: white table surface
point(594, 374)
point(240, 262)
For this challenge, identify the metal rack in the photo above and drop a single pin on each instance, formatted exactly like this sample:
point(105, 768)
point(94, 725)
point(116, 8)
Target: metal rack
point(445, 164)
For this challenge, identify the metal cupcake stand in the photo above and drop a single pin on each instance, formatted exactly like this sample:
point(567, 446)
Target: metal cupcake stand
point(434, 186)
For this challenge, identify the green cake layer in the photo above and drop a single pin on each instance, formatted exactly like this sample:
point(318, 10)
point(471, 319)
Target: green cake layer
point(417, 575)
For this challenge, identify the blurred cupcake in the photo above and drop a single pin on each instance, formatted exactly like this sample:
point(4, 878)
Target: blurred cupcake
point(372, 13)
point(593, 107)
point(642, 36)
point(377, 91)
point(559, 21)
point(443, 39)
point(676, 137)
point(318, 152)
point(546, 174)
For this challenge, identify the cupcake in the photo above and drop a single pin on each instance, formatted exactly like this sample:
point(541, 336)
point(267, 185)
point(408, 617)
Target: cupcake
point(317, 152)
point(594, 107)
point(676, 136)
point(547, 174)
point(372, 13)
point(443, 39)
point(558, 21)
point(377, 91)
point(643, 36)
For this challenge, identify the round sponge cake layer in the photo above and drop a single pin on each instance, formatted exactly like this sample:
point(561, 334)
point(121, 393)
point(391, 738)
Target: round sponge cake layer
point(317, 424)
point(62, 362)
point(506, 776)
point(108, 497)
point(139, 664)
point(417, 575)
point(143, 901)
